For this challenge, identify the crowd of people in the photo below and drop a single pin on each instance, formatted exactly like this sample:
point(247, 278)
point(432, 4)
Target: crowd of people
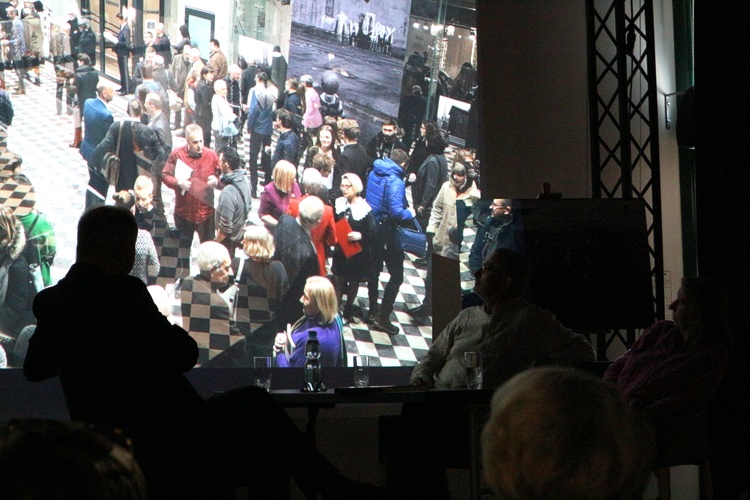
point(300, 147)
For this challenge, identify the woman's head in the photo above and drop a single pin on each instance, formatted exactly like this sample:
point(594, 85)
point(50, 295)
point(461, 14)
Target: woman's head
point(700, 312)
point(319, 299)
point(323, 163)
point(257, 243)
point(284, 175)
point(184, 31)
point(291, 85)
point(326, 137)
point(559, 433)
point(351, 185)
point(261, 78)
point(12, 237)
point(220, 87)
point(124, 199)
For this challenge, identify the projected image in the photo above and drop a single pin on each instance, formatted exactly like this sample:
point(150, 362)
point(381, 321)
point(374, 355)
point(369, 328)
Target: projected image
point(354, 53)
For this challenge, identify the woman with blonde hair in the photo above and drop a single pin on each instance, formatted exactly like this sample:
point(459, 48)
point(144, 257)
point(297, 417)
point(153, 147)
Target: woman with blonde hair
point(274, 201)
point(320, 315)
point(146, 265)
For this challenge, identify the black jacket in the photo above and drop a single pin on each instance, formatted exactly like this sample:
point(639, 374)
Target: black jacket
point(379, 148)
point(430, 177)
point(87, 44)
point(87, 78)
point(204, 92)
point(353, 159)
point(287, 148)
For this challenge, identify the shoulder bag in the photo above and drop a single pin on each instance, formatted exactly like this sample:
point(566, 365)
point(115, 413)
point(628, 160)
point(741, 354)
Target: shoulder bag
point(413, 241)
point(111, 161)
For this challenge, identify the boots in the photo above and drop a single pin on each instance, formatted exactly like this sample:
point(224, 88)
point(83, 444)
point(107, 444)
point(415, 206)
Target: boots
point(383, 320)
point(370, 319)
point(77, 139)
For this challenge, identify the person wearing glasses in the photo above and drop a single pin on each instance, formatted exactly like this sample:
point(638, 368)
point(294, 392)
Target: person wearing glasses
point(349, 271)
point(199, 295)
point(510, 333)
point(496, 230)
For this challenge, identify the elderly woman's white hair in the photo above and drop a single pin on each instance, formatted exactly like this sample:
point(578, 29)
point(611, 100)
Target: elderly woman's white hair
point(312, 181)
point(311, 211)
point(355, 181)
point(211, 255)
point(258, 244)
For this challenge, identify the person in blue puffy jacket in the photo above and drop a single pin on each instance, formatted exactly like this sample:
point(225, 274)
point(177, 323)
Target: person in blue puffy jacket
point(386, 194)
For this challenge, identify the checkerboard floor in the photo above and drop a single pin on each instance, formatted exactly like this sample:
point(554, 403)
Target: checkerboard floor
point(60, 178)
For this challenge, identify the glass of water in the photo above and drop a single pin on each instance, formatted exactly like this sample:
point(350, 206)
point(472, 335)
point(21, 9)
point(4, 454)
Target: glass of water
point(262, 367)
point(473, 369)
point(361, 371)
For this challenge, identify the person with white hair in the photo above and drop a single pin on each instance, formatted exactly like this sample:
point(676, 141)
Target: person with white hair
point(197, 292)
point(162, 44)
point(295, 249)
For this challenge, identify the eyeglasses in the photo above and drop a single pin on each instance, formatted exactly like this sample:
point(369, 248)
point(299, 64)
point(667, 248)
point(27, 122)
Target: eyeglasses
point(345, 186)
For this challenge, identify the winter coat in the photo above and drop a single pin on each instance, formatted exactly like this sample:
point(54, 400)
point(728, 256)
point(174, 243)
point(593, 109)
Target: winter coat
point(261, 114)
point(386, 193)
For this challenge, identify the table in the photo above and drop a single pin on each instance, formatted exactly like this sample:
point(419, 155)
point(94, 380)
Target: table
point(475, 402)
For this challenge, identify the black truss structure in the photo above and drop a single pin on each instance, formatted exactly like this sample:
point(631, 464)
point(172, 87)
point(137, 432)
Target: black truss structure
point(623, 121)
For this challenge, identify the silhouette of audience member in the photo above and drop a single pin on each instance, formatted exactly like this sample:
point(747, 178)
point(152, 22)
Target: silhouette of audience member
point(510, 333)
point(121, 364)
point(50, 459)
point(558, 433)
point(673, 370)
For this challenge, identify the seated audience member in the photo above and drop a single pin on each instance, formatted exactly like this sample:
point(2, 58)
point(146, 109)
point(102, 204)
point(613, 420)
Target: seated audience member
point(146, 263)
point(209, 324)
point(52, 459)
point(295, 249)
point(321, 315)
point(324, 234)
point(675, 367)
point(510, 333)
point(276, 196)
point(560, 434)
point(121, 364)
point(265, 279)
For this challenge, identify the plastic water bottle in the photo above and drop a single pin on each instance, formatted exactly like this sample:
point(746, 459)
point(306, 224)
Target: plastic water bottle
point(312, 363)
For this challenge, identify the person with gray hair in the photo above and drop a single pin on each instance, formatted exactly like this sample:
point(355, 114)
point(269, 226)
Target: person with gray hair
point(17, 43)
point(158, 120)
point(295, 249)
point(559, 433)
point(87, 40)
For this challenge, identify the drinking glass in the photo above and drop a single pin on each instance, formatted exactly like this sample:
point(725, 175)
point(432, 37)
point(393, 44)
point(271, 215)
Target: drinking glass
point(473, 369)
point(361, 371)
point(263, 372)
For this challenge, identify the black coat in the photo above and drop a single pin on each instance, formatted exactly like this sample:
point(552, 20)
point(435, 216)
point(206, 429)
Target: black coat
point(430, 177)
point(87, 44)
point(87, 79)
point(355, 160)
point(247, 82)
point(295, 250)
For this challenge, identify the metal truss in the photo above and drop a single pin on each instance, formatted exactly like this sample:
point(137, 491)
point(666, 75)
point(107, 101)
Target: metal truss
point(623, 119)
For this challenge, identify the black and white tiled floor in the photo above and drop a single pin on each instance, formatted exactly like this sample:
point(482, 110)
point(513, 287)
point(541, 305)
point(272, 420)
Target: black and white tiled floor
point(60, 177)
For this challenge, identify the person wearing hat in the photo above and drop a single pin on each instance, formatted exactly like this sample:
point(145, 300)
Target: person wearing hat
point(411, 112)
point(312, 119)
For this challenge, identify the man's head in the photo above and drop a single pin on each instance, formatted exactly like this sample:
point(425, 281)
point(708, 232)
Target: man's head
point(389, 129)
point(106, 239)
point(559, 433)
point(194, 54)
point(148, 37)
point(158, 61)
point(214, 262)
point(323, 164)
point(220, 87)
point(144, 192)
point(12, 13)
point(214, 45)
point(83, 59)
point(153, 104)
point(229, 159)
point(349, 131)
point(194, 137)
point(159, 29)
point(400, 158)
point(147, 70)
point(500, 208)
point(310, 212)
point(284, 119)
point(502, 277)
point(120, 17)
point(234, 72)
point(105, 91)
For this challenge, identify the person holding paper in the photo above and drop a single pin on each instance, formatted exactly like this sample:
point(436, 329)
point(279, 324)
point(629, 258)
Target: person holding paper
point(355, 228)
point(191, 172)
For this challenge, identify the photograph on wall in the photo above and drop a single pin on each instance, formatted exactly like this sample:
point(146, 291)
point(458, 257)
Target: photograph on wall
point(354, 52)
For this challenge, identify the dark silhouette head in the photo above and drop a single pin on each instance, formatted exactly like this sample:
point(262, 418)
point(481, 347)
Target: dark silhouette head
point(106, 239)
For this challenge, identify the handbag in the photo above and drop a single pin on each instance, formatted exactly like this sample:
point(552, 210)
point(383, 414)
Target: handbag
point(111, 161)
point(413, 241)
point(175, 103)
point(229, 129)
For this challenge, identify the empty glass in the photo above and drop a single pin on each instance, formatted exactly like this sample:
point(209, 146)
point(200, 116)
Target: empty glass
point(361, 371)
point(473, 369)
point(263, 372)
